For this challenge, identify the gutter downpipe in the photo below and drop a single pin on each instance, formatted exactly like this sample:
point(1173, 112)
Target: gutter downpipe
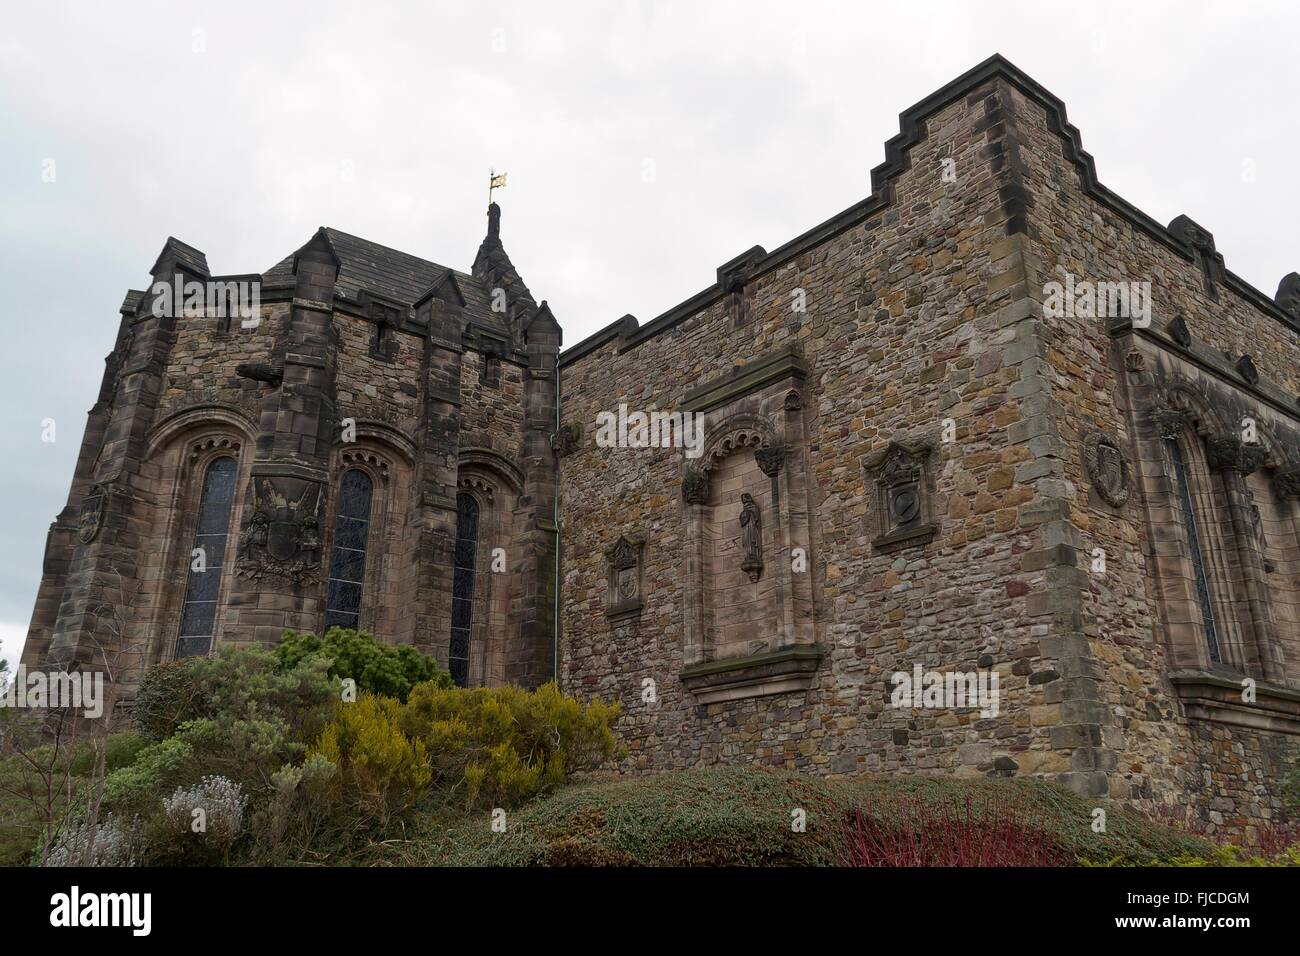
point(555, 633)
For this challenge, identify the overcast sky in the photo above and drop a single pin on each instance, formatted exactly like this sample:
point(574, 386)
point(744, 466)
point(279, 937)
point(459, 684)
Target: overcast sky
point(646, 143)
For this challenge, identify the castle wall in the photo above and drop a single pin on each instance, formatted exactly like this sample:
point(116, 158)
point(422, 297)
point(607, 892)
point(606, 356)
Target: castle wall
point(316, 388)
point(914, 316)
point(1140, 614)
point(1067, 572)
point(910, 462)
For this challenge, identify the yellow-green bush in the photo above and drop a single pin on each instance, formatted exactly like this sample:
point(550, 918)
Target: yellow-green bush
point(505, 744)
point(380, 770)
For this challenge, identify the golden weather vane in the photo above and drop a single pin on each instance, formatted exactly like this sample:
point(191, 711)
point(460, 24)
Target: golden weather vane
point(495, 182)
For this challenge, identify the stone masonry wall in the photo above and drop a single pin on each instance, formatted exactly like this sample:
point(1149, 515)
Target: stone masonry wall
point(1224, 777)
point(915, 316)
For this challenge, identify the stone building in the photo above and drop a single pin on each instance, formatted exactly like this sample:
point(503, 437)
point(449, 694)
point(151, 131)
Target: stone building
point(992, 423)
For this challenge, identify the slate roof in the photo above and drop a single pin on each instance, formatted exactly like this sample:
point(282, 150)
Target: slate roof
point(395, 275)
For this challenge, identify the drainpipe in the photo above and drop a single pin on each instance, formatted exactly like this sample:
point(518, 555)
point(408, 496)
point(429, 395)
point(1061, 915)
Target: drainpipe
point(555, 505)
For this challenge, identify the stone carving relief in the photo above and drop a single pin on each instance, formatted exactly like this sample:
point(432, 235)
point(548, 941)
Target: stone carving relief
point(1257, 529)
point(695, 486)
point(751, 537)
point(1107, 468)
point(623, 557)
point(1179, 332)
point(568, 439)
point(1169, 422)
point(91, 516)
point(268, 373)
point(1227, 452)
point(770, 458)
point(281, 537)
point(1288, 294)
point(899, 473)
point(1286, 483)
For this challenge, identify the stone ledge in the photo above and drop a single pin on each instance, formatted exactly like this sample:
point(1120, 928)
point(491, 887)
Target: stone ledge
point(624, 610)
point(905, 538)
point(758, 675)
point(785, 363)
point(1217, 697)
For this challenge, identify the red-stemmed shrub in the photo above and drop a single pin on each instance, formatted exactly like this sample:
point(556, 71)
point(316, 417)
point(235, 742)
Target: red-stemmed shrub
point(915, 833)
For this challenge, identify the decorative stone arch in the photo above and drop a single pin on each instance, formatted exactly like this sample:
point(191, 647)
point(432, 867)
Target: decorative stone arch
point(497, 487)
point(218, 418)
point(1180, 405)
point(485, 461)
point(735, 434)
point(388, 541)
point(1213, 570)
point(179, 452)
point(748, 615)
point(383, 435)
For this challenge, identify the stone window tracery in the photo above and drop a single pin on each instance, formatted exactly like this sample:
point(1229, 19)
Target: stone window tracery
point(348, 560)
point(464, 564)
point(203, 584)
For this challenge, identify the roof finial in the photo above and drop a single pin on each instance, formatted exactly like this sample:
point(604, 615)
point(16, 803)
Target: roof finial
point(494, 221)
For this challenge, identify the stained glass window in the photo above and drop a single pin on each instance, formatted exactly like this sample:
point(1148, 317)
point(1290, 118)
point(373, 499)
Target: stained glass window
point(1194, 545)
point(462, 587)
point(348, 561)
point(199, 612)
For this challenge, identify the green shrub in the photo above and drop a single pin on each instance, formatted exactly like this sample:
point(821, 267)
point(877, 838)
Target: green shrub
point(505, 744)
point(197, 826)
point(1291, 792)
point(376, 667)
point(381, 771)
point(29, 768)
point(238, 683)
point(298, 811)
point(1227, 854)
point(742, 816)
point(243, 716)
point(111, 846)
point(169, 695)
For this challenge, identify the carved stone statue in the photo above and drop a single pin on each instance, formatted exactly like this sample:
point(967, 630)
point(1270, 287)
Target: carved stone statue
point(1257, 528)
point(751, 537)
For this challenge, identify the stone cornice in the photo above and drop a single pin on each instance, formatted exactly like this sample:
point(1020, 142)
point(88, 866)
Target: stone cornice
point(775, 366)
point(782, 671)
point(1210, 361)
point(1206, 695)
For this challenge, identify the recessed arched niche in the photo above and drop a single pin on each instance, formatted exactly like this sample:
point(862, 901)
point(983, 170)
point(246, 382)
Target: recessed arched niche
point(749, 618)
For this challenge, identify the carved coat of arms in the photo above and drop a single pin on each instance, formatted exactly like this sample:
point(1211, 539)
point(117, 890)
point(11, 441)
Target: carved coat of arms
point(91, 515)
point(1107, 468)
point(281, 537)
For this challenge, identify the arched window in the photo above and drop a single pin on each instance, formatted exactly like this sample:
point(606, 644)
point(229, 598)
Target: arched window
point(199, 613)
point(1209, 628)
point(348, 561)
point(462, 588)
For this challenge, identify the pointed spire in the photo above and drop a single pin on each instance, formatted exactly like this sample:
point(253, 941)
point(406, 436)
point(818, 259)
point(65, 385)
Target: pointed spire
point(493, 267)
